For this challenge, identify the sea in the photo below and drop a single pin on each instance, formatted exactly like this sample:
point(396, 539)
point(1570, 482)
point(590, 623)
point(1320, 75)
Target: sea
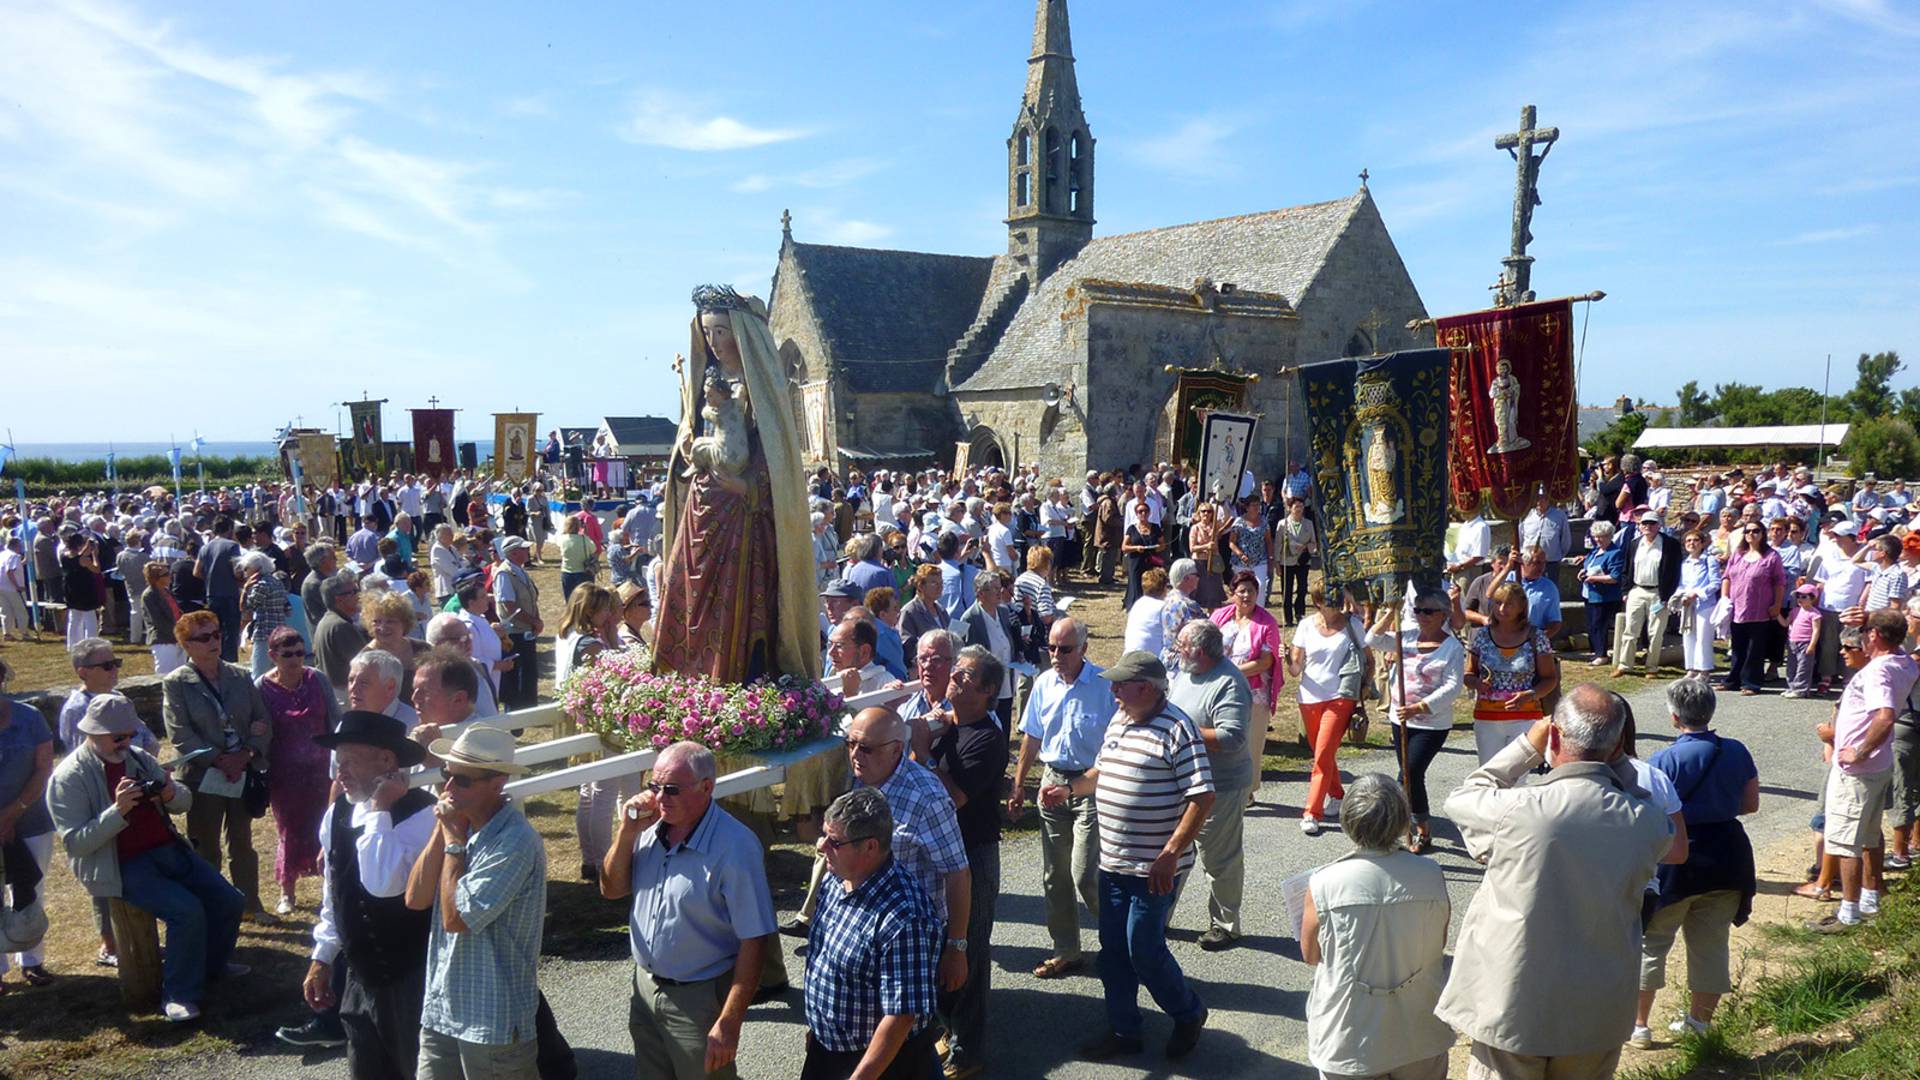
point(98, 451)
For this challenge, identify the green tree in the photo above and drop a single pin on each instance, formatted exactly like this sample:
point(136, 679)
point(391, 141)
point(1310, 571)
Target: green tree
point(1617, 437)
point(1872, 394)
point(1909, 408)
point(1884, 446)
point(1695, 407)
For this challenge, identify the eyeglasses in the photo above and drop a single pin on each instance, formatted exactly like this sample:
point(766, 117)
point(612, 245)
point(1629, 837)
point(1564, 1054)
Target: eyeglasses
point(838, 844)
point(1052, 648)
point(461, 781)
point(666, 789)
point(290, 653)
point(964, 676)
point(202, 639)
point(855, 746)
point(110, 665)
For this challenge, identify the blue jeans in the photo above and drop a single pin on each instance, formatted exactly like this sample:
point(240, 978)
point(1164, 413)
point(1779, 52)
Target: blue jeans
point(1133, 951)
point(201, 910)
point(228, 609)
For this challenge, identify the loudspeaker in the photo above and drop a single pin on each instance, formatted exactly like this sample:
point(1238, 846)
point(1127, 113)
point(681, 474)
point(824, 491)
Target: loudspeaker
point(469, 456)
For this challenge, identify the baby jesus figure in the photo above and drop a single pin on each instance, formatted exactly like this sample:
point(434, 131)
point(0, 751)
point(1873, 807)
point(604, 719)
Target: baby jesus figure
point(723, 449)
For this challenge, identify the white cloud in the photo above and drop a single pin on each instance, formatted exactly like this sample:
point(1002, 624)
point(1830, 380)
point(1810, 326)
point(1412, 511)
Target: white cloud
point(1198, 148)
point(661, 119)
point(531, 105)
point(827, 226)
point(1825, 236)
point(831, 175)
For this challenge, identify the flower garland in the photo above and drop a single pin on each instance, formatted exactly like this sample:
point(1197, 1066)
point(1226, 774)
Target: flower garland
point(619, 696)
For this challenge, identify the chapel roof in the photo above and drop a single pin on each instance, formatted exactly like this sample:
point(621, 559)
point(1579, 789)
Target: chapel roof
point(878, 305)
point(1277, 251)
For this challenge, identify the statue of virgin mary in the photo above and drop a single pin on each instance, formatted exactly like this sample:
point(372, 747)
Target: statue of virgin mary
point(738, 597)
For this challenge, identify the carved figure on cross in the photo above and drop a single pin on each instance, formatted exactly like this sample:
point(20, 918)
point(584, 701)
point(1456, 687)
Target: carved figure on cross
point(1517, 285)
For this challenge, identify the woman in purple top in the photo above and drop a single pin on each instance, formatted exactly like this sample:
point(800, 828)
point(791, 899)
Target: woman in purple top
point(301, 705)
point(1756, 585)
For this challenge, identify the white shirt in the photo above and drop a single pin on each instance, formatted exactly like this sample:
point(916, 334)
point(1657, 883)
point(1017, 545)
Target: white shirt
point(1000, 544)
point(1143, 625)
point(1474, 540)
point(445, 564)
point(1843, 582)
point(386, 854)
point(410, 501)
point(1154, 508)
point(486, 643)
point(1056, 516)
point(1665, 795)
point(1324, 656)
point(1434, 678)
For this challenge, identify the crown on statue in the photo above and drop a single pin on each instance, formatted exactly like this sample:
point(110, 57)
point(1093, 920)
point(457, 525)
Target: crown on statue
point(719, 298)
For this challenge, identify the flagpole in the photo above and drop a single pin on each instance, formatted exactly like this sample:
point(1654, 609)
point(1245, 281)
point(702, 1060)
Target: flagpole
point(173, 459)
point(28, 528)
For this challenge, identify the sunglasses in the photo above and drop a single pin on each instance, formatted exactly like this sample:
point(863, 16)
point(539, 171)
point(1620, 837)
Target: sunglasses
point(1430, 611)
point(666, 789)
point(202, 639)
point(964, 676)
point(855, 746)
point(460, 781)
point(110, 665)
point(1052, 648)
point(838, 844)
point(290, 653)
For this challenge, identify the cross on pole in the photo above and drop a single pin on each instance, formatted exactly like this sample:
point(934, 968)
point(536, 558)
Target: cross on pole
point(1517, 285)
point(433, 402)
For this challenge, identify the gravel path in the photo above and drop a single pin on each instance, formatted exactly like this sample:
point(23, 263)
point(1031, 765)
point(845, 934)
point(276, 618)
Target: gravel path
point(1257, 991)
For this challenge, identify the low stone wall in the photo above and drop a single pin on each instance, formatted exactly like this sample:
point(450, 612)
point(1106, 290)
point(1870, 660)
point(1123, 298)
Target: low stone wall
point(142, 690)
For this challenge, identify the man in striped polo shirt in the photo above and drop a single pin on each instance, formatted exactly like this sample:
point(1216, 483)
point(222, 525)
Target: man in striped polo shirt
point(1153, 789)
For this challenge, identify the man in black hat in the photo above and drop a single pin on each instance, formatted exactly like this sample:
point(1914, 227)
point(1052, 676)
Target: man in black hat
point(372, 836)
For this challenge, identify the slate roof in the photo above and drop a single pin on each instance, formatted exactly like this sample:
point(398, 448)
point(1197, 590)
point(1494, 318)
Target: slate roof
point(635, 433)
point(1279, 251)
point(892, 376)
point(876, 305)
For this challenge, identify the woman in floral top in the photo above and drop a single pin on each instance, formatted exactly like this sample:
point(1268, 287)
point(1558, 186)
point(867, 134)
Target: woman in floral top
point(1247, 540)
point(1511, 667)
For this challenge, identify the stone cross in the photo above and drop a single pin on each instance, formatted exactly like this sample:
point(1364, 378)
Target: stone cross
point(1517, 282)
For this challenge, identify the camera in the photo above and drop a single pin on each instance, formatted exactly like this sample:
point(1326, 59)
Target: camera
point(153, 789)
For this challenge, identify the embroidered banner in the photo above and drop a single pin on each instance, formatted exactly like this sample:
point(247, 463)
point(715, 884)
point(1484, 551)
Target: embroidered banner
point(513, 445)
point(1514, 419)
point(433, 441)
point(319, 459)
point(1224, 446)
point(1378, 426)
point(365, 416)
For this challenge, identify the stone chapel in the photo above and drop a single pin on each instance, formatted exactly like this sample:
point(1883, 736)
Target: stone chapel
point(1075, 350)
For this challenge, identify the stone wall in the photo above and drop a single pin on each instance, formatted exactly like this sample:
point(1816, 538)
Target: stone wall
point(898, 421)
point(1026, 430)
point(797, 336)
point(142, 690)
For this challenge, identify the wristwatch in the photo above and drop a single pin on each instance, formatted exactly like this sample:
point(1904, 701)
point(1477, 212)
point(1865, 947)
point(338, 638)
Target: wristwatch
point(957, 944)
point(456, 848)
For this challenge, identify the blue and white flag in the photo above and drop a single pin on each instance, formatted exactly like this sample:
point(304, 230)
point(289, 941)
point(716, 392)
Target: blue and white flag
point(173, 458)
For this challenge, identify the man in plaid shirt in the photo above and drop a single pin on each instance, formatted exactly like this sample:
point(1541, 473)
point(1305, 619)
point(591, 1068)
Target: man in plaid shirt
point(873, 949)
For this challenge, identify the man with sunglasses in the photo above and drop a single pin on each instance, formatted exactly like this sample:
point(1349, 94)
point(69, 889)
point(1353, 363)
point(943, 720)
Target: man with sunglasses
point(110, 801)
point(702, 918)
point(99, 672)
point(1065, 717)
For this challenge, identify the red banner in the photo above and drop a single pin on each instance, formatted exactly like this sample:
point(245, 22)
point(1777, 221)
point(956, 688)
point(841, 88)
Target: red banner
point(1514, 418)
point(433, 450)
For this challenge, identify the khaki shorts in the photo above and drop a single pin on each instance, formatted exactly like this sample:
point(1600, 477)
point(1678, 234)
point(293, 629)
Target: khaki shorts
point(1855, 805)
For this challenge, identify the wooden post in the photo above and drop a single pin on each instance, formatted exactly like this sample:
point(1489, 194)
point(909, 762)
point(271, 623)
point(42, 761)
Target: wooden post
point(136, 936)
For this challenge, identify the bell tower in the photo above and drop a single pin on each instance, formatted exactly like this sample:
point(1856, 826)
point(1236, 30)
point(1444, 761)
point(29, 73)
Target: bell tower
point(1050, 155)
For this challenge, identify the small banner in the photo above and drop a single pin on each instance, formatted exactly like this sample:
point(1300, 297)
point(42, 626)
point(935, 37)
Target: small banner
point(433, 451)
point(1514, 419)
point(319, 458)
point(1197, 393)
point(366, 437)
point(1378, 425)
point(1225, 442)
point(513, 445)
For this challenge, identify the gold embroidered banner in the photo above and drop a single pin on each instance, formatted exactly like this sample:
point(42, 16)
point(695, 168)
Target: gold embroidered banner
point(513, 445)
point(1514, 422)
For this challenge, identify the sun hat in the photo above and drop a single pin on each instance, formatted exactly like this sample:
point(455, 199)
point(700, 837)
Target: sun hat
point(479, 747)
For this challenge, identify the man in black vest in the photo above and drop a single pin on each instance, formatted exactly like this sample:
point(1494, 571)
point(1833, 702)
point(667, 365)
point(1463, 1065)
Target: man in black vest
point(372, 836)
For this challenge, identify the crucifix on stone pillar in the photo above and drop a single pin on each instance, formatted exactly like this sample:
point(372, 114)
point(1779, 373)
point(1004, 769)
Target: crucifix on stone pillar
point(1516, 283)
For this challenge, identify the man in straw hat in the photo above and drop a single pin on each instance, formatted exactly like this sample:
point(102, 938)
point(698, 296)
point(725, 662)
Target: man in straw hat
point(373, 835)
point(110, 801)
point(483, 873)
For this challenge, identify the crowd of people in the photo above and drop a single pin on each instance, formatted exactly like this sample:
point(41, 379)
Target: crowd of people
point(383, 616)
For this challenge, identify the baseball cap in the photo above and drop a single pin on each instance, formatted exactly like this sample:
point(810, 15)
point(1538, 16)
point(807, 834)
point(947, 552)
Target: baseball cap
point(1846, 528)
point(1138, 664)
point(841, 587)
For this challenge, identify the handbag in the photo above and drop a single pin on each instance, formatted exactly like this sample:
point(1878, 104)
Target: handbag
point(1353, 677)
point(254, 795)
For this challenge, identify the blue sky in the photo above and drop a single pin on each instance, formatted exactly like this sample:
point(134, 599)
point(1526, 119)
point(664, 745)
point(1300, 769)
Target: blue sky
point(222, 215)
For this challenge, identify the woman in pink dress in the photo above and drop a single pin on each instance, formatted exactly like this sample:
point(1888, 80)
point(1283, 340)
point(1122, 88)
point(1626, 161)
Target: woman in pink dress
point(301, 705)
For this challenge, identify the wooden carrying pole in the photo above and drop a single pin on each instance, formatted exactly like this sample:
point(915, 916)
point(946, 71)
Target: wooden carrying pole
point(1593, 297)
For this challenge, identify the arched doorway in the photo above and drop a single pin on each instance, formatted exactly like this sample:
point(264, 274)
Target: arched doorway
point(983, 449)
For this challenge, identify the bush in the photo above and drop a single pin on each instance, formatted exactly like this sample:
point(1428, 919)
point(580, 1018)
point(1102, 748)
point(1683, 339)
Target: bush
point(47, 476)
point(1885, 446)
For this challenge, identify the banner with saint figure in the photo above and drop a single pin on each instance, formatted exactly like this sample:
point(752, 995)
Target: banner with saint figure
point(1225, 443)
point(319, 458)
point(1378, 427)
point(433, 451)
point(1515, 427)
point(513, 447)
point(365, 437)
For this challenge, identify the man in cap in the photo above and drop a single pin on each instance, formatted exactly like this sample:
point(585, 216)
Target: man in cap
point(110, 801)
point(1650, 569)
point(702, 918)
point(1154, 789)
point(1843, 590)
point(483, 874)
point(369, 949)
point(517, 603)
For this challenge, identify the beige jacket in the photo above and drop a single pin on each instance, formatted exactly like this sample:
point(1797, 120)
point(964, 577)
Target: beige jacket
point(195, 720)
point(1548, 959)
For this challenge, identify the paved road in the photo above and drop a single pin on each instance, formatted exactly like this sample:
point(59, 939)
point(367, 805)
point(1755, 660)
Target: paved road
point(1257, 992)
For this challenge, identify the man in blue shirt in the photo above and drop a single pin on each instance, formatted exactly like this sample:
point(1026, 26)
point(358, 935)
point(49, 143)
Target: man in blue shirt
point(1600, 588)
point(1543, 596)
point(702, 918)
point(956, 577)
point(1066, 715)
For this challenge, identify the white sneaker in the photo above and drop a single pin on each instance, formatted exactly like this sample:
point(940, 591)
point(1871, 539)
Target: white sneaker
point(234, 971)
point(284, 907)
point(1642, 1037)
point(179, 1012)
point(1869, 909)
point(1686, 1024)
point(1331, 809)
point(1310, 826)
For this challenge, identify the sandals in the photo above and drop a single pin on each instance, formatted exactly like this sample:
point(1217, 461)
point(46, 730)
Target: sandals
point(37, 975)
point(1420, 843)
point(1055, 967)
point(106, 958)
point(1811, 892)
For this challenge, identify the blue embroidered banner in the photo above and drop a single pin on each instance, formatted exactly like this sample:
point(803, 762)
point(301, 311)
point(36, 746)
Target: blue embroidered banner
point(1379, 432)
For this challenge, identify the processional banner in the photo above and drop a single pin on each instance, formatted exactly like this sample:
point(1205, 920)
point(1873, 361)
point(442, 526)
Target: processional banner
point(366, 437)
point(1225, 441)
point(433, 451)
point(513, 445)
point(319, 459)
point(1515, 427)
point(1378, 426)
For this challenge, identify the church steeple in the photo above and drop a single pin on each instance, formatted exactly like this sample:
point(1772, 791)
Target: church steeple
point(1050, 154)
